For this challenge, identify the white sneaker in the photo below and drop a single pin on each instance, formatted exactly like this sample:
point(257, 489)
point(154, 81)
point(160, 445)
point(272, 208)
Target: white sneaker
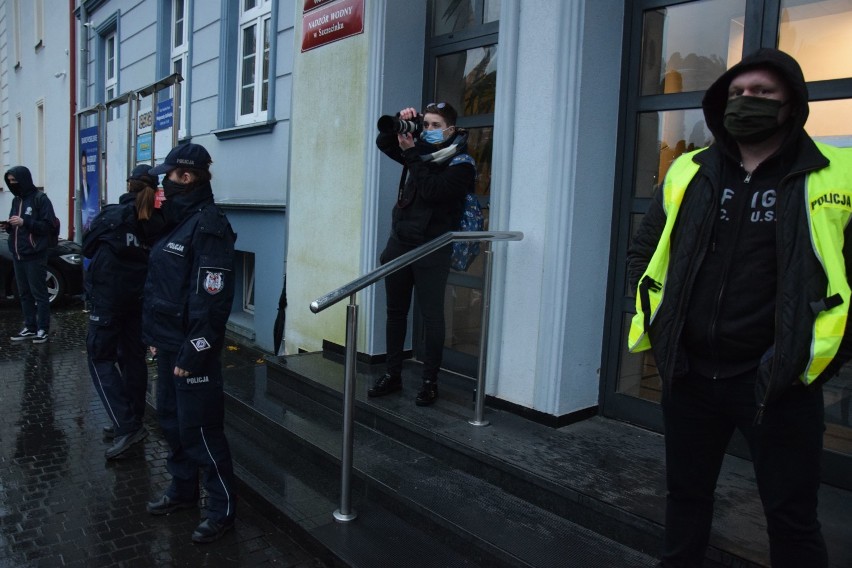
point(23, 334)
point(40, 336)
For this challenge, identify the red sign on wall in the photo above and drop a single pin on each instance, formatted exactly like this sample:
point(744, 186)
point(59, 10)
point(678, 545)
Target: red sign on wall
point(314, 4)
point(333, 21)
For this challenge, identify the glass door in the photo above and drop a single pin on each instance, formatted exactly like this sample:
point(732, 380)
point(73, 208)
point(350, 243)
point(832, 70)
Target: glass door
point(677, 49)
point(461, 69)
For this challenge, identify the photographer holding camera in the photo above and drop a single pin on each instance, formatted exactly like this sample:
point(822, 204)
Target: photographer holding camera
point(437, 174)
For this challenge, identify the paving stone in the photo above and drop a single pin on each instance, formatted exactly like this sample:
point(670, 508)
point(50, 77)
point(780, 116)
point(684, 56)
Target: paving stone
point(62, 504)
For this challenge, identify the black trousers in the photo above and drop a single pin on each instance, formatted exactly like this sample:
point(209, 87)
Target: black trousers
point(700, 415)
point(117, 365)
point(191, 412)
point(428, 279)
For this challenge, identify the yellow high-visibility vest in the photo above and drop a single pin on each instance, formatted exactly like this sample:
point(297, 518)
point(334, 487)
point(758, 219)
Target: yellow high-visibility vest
point(828, 194)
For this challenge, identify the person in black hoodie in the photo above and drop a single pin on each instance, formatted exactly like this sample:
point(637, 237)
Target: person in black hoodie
point(429, 203)
point(738, 259)
point(118, 243)
point(29, 226)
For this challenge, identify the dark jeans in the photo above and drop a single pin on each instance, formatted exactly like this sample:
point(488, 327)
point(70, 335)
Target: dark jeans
point(191, 412)
point(31, 279)
point(428, 278)
point(117, 365)
point(700, 416)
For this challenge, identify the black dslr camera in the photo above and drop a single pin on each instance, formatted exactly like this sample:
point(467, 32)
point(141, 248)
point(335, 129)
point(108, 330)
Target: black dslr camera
point(393, 124)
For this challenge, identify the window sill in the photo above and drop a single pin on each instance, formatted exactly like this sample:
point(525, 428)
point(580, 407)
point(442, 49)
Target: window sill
point(245, 130)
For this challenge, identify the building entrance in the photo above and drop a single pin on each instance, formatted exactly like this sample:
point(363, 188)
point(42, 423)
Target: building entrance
point(461, 70)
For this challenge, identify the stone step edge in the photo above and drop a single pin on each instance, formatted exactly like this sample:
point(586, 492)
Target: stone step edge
point(495, 550)
point(610, 521)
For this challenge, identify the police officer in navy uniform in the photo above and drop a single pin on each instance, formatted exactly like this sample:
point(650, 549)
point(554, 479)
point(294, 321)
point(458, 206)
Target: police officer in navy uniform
point(188, 295)
point(117, 242)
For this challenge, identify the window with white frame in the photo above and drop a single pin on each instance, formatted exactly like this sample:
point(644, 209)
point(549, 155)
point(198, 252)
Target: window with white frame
point(16, 33)
point(110, 72)
point(253, 65)
point(179, 52)
point(40, 150)
point(19, 138)
point(248, 282)
point(39, 23)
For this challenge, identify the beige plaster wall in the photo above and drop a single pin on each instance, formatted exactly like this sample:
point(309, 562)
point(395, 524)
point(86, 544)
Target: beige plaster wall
point(326, 184)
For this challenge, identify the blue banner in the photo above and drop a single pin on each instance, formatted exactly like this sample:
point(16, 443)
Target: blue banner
point(89, 175)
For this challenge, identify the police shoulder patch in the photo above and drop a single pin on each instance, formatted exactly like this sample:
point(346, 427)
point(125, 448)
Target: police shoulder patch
point(200, 343)
point(214, 282)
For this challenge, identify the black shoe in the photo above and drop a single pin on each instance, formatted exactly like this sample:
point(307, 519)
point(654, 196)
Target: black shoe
point(164, 505)
point(428, 394)
point(25, 333)
point(109, 432)
point(385, 384)
point(208, 530)
point(41, 336)
point(123, 443)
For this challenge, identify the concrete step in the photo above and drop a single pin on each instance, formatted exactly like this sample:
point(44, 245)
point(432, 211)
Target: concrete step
point(413, 508)
point(535, 463)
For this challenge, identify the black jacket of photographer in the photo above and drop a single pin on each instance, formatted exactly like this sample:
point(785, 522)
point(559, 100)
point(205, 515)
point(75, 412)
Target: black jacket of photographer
point(432, 190)
point(118, 245)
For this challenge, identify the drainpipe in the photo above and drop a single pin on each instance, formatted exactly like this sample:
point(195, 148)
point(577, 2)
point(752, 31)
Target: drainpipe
point(72, 119)
point(83, 103)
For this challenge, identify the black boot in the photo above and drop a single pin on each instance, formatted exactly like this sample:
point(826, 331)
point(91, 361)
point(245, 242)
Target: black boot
point(428, 393)
point(386, 384)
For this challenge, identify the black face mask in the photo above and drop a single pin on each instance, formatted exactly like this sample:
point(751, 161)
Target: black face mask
point(175, 204)
point(173, 188)
point(752, 119)
point(15, 188)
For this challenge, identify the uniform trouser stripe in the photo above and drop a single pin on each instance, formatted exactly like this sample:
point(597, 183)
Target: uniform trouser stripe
point(218, 473)
point(99, 385)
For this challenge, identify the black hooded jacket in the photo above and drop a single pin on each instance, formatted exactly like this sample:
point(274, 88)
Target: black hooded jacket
point(742, 271)
point(30, 240)
point(432, 197)
point(118, 245)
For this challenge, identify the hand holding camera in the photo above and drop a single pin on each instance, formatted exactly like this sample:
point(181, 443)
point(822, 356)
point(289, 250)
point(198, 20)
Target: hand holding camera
point(406, 125)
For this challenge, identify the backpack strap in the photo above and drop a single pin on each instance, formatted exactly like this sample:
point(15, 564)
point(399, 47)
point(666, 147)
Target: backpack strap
point(463, 159)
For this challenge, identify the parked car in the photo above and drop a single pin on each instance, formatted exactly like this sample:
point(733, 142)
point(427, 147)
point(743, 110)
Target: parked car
point(64, 270)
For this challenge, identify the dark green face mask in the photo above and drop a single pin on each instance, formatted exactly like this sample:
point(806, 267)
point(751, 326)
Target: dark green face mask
point(752, 119)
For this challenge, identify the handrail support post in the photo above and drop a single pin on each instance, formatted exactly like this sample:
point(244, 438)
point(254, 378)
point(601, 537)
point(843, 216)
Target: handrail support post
point(479, 409)
point(345, 513)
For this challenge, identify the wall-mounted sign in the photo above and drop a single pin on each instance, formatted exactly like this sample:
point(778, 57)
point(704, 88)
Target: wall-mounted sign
point(314, 4)
point(330, 22)
point(143, 147)
point(165, 113)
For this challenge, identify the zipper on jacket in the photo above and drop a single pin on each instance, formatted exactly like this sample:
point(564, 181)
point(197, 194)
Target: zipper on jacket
point(748, 173)
point(742, 214)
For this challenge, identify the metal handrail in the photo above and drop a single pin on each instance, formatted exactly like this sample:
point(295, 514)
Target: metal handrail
point(423, 250)
point(345, 513)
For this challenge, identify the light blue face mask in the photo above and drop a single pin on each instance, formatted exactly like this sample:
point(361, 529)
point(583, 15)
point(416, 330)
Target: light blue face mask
point(432, 136)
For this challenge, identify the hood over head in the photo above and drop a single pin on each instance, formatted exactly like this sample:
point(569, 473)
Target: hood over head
point(24, 178)
point(787, 68)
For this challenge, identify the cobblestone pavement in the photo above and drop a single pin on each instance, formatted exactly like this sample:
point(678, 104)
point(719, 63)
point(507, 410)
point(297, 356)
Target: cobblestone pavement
point(62, 504)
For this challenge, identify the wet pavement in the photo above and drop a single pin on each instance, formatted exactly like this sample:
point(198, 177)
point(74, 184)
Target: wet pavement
point(63, 504)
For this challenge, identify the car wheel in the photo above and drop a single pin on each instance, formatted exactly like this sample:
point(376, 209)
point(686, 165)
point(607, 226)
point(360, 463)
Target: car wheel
point(55, 285)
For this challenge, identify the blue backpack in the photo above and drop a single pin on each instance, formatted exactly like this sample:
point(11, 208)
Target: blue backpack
point(472, 220)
